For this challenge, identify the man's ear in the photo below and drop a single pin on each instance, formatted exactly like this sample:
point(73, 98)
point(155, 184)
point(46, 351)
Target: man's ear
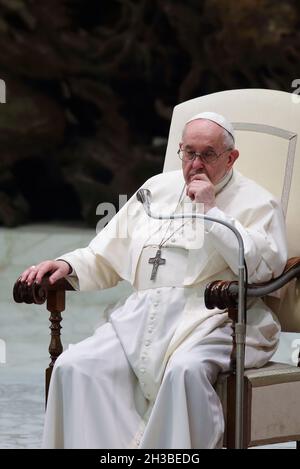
point(233, 156)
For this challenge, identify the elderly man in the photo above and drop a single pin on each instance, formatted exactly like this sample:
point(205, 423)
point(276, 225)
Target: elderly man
point(145, 378)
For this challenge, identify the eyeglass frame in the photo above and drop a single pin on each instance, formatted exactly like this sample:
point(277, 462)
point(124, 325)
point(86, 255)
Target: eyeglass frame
point(199, 154)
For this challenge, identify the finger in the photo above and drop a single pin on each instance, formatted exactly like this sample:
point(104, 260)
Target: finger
point(55, 276)
point(200, 177)
point(191, 193)
point(196, 186)
point(42, 271)
point(27, 273)
point(24, 275)
point(33, 272)
point(199, 185)
point(31, 276)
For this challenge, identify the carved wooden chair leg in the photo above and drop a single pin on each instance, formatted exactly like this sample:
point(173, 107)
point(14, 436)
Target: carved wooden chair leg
point(55, 304)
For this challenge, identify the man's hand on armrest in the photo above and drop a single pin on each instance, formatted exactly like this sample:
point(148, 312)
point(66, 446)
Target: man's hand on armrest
point(58, 269)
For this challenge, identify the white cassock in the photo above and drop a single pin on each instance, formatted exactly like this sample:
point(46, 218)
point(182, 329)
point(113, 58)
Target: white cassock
point(145, 378)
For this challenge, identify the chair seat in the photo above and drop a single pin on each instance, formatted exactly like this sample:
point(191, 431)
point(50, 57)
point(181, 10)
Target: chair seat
point(267, 420)
point(273, 373)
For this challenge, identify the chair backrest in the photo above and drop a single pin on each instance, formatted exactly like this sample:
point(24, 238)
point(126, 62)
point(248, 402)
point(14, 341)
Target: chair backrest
point(267, 124)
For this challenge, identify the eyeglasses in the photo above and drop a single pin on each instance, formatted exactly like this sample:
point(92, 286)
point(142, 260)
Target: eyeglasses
point(208, 156)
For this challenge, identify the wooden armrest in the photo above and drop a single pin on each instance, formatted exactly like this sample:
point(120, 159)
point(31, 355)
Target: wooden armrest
point(224, 294)
point(38, 293)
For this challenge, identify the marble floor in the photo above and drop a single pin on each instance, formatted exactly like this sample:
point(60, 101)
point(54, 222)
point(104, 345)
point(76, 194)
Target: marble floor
point(24, 333)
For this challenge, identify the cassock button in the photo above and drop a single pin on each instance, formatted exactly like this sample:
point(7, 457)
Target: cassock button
point(147, 343)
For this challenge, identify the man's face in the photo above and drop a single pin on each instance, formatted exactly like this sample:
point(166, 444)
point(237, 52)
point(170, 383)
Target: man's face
point(202, 135)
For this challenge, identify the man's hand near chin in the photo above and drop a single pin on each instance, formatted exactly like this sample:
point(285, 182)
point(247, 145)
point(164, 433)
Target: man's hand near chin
point(200, 189)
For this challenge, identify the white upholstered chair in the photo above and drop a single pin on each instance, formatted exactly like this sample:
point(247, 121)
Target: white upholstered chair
point(267, 124)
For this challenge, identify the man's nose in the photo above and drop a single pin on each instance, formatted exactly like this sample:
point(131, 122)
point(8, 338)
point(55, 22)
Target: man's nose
point(197, 163)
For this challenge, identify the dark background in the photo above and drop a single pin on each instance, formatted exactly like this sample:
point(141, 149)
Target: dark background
point(91, 85)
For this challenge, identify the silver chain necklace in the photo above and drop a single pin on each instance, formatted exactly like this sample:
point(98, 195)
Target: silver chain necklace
point(158, 260)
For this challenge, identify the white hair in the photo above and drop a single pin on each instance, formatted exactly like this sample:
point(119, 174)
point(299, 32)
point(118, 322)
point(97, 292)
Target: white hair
point(228, 140)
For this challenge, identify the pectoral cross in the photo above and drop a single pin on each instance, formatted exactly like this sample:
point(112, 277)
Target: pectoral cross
point(156, 261)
